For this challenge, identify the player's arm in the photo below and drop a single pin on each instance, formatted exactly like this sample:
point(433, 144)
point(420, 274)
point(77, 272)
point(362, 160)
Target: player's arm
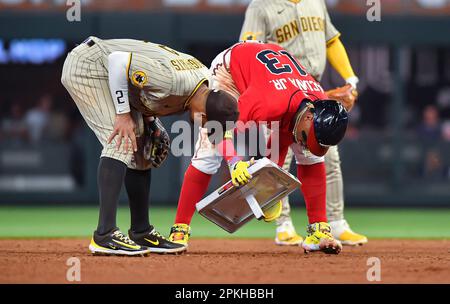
point(238, 168)
point(338, 58)
point(248, 112)
point(336, 53)
point(254, 27)
point(118, 64)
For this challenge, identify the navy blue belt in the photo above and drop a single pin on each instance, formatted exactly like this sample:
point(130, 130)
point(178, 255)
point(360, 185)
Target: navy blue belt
point(89, 42)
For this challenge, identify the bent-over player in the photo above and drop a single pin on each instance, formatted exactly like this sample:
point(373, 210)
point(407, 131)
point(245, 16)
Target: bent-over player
point(271, 86)
point(120, 87)
point(304, 28)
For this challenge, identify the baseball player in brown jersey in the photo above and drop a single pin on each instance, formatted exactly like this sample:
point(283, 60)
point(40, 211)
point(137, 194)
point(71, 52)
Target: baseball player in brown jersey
point(121, 87)
point(304, 28)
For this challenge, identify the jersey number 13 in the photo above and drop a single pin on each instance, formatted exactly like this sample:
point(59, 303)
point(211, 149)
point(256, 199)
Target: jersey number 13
point(271, 60)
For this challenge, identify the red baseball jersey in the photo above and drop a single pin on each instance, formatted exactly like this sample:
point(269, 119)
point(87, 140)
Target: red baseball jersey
point(271, 82)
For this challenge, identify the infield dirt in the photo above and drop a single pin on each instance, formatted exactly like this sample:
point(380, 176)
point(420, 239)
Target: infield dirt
point(227, 261)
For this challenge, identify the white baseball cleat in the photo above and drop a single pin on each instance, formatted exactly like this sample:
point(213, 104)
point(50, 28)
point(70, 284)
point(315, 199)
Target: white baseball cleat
point(341, 231)
point(287, 236)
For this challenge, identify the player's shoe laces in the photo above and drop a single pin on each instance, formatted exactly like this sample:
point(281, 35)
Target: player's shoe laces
point(273, 212)
point(287, 236)
point(320, 239)
point(342, 232)
point(115, 243)
point(180, 233)
point(155, 241)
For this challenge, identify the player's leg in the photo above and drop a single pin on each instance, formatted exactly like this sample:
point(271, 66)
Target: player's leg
point(285, 232)
point(137, 185)
point(110, 176)
point(91, 96)
point(108, 239)
point(311, 173)
point(335, 201)
point(204, 164)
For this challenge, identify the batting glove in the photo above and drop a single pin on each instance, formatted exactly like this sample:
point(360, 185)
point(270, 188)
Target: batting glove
point(239, 171)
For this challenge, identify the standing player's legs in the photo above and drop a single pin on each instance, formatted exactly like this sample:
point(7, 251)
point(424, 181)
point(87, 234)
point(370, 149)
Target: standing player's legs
point(204, 164)
point(335, 201)
point(285, 233)
point(86, 80)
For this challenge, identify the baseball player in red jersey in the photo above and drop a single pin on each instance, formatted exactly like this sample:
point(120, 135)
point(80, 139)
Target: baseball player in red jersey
point(304, 28)
point(271, 86)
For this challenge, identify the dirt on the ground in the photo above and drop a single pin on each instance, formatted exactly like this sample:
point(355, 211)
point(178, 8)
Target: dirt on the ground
point(228, 261)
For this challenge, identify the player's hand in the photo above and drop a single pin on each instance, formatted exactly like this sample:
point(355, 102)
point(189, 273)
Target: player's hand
point(346, 95)
point(239, 172)
point(124, 128)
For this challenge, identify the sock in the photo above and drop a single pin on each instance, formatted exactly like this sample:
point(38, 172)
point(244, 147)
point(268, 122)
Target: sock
point(137, 184)
point(110, 176)
point(194, 187)
point(313, 179)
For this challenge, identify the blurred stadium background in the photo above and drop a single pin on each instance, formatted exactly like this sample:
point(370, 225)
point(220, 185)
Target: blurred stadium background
point(396, 152)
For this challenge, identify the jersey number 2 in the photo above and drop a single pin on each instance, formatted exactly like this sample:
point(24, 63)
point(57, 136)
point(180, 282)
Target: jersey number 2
point(270, 59)
point(119, 95)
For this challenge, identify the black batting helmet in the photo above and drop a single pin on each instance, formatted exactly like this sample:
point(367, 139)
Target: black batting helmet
point(328, 127)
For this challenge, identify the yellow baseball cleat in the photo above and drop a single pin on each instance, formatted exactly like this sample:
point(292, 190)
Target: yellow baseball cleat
point(273, 212)
point(180, 233)
point(287, 236)
point(342, 232)
point(116, 243)
point(320, 239)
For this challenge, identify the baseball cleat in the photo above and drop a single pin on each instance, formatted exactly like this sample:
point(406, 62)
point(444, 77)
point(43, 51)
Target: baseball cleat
point(342, 232)
point(320, 239)
point(180, 233)
point(155, 241)
point(116, 243)
point(287, 236)
point(273, 212)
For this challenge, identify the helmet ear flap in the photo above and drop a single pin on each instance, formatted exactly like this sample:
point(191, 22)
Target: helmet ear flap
point(313, 144)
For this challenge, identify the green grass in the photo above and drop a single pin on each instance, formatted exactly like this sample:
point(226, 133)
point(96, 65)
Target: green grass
point(43, 222)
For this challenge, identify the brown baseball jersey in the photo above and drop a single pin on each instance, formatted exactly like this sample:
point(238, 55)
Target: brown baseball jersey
point(302, 27)
point(161, 79)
